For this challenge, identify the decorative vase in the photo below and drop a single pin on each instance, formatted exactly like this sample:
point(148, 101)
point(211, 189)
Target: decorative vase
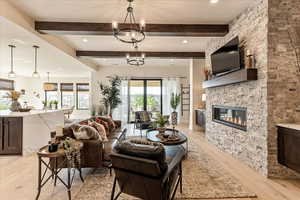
point(15, 106)
point(161, 130)
point(174, 118)
point(56, 106)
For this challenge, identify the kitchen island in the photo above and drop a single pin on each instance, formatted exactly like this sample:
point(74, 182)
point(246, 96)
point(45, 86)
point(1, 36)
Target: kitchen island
point(24, 133)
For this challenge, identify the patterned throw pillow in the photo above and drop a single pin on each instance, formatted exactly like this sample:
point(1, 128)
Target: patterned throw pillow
point(87, 133)
point(104, 123)
point(110, 122)
point(101, 130)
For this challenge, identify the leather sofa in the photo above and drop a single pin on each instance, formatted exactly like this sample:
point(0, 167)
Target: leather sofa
point(138, 165)
point(96, 154)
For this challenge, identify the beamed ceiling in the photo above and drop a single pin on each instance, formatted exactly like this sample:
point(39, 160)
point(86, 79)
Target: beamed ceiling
point(86, 25)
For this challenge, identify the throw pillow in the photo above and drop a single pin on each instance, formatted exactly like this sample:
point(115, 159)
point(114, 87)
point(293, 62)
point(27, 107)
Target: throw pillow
point(110, 122)
point(101, 130)
point(87, 133)
point(104, 123)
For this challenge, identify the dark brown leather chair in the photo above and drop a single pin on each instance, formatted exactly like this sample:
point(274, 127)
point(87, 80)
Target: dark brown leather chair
point(147, 175)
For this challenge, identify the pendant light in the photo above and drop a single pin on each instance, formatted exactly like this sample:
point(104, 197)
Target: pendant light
point(49, 86)
point(35, 74)
point(11, 74)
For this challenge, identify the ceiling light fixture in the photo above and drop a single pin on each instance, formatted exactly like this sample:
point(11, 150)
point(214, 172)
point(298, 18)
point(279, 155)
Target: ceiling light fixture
point(214, 1)
point(132, 35)
point(184, 41)
point(137, 60)
point(35, 74)
point(85, 40)
point(11, 74)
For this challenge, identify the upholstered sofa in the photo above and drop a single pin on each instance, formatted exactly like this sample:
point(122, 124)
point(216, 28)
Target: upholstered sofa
point(94, 153)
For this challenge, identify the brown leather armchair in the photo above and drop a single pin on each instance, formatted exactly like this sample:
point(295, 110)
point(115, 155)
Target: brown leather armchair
point(147, 177)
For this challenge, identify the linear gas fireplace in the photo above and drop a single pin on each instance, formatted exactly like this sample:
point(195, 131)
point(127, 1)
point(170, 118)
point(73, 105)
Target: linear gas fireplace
point(235, 117)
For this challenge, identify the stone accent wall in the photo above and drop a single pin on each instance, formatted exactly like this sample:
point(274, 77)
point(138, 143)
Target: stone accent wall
point(283, 74)
point(271, 30)
point(250, 147)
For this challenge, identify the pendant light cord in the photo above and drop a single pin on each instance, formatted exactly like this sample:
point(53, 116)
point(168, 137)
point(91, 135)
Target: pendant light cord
point(11, 57)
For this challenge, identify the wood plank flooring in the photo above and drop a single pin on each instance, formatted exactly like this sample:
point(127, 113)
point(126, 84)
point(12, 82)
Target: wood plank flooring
point(18, 178)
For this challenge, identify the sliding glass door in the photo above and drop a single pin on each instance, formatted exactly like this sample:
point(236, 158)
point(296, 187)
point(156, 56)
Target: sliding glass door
point(145, 95)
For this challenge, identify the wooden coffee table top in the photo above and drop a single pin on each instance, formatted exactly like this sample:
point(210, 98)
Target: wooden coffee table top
point(152, 136)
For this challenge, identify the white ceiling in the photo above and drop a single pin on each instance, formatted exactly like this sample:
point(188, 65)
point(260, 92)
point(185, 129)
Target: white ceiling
point(153, 11)
point(50, 59)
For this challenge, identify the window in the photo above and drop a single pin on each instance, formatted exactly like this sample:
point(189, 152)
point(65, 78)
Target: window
point(5, 86)
point(67, 95)
point(83, 96)
point(51, 92)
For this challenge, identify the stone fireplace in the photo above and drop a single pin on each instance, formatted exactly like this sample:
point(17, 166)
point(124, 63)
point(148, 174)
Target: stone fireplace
point(271, 99)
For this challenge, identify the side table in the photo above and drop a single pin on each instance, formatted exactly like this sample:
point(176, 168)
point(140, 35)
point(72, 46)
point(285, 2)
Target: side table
point(55, 168)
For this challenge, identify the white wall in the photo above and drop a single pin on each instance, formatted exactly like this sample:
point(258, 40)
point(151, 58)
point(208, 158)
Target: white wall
point(130, 71)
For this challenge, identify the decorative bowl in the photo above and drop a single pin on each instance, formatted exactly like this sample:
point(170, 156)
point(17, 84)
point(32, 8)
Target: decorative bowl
point(24, 109)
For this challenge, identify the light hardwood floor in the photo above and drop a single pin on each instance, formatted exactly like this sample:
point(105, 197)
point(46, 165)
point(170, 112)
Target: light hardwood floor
point(18, 178)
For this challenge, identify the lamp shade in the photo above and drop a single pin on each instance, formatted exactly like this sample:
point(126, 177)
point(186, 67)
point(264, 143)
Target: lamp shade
point(203, 97)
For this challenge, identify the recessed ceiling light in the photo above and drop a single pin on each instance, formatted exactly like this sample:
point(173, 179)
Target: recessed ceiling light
point(213, 1)
point(184, 41)
point(85, 40)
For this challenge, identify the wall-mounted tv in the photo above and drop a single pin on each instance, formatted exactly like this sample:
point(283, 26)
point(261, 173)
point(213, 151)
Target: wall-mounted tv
point(226, 59)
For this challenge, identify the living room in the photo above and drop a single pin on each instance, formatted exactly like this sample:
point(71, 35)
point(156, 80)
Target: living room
point(123, 99)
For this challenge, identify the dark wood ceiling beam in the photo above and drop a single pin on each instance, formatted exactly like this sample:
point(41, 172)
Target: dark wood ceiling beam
point(82, 28)
point(122, 54)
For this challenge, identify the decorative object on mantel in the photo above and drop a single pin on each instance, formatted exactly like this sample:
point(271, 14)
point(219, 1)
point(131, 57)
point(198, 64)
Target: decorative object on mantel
point(249, 62)
point(132, 35)
point(207, 73)
point(111, 94)
point(175, 100)
point(11, 74)
point(14, 96)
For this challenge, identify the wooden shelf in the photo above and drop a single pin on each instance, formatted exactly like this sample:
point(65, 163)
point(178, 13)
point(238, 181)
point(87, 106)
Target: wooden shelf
point(242, 75)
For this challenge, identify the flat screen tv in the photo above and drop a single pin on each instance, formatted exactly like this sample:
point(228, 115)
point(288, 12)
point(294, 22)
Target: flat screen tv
point(226, 59)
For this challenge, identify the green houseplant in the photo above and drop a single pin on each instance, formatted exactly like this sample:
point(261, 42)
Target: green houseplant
point(55, 102)
point(161, 123)
point(111, 94)
point(175, 101)
point(44, 104)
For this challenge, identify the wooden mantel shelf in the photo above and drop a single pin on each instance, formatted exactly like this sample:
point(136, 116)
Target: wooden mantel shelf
point(239, 76)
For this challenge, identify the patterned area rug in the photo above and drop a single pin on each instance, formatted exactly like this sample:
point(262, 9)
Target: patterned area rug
point(203, 178)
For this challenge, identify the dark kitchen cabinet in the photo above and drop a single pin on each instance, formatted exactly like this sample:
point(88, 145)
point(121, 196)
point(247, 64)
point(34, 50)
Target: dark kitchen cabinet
point(11, 131)
point(289, 148)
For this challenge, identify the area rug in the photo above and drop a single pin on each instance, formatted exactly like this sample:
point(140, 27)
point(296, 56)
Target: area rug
point(203, 178)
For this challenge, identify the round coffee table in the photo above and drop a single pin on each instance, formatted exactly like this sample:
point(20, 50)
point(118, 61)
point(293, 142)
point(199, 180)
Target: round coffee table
point(152, 136)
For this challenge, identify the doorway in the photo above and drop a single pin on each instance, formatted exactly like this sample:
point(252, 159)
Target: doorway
point(144, 95)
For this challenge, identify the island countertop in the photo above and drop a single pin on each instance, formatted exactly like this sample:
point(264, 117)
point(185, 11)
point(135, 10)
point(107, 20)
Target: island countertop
point(8, 113)
point(295, 126)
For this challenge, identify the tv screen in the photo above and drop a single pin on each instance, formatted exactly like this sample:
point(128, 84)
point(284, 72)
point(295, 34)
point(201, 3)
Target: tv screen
point(226, 59)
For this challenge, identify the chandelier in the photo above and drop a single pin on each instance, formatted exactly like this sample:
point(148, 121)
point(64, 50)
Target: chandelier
point(129, 32)
point(137, 60)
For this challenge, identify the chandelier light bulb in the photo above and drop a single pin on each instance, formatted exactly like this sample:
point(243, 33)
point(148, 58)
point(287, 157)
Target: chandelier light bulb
point(115, 25)
point(143, 55)
point(133, 35)
point(127, 56)
point(142, 23)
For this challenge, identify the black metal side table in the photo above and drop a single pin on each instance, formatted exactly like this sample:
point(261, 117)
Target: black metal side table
point(55, 168)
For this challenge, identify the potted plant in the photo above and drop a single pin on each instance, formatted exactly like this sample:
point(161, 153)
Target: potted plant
point(111, 94)
point(14, 96)
point(55, 102)
point(161, 123)
point(50, 104)
point(175, 100)
point(44, 104)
